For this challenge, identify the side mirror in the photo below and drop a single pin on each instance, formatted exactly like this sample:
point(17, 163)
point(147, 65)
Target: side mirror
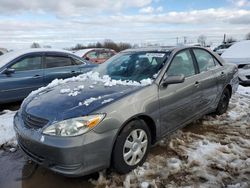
point(87, 58)
point(9, 71)
point(173, 80)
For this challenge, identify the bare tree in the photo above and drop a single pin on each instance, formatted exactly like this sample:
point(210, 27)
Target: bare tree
point(202, 40)
point(248, 36)
point(35, 45)
point(106, 44)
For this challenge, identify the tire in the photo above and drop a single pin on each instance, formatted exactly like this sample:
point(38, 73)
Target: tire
point(126, 157)
point(223, 103)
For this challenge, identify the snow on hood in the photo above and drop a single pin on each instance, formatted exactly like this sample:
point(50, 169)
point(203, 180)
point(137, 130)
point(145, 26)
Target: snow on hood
point(73, 99)
point(238, 50)
point(93, 76)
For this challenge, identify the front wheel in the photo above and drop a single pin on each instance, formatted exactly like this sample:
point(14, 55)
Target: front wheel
point(223, 103)
point(131, 147)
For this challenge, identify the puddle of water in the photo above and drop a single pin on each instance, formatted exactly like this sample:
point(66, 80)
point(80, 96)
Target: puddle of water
point(17, 172)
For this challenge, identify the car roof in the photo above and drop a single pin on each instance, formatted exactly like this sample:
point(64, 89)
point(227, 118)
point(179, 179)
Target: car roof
point(152, 49)
point(84, 51)
point(9, 56)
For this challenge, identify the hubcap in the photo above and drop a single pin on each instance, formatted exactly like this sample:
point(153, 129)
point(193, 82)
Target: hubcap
point(135, 147)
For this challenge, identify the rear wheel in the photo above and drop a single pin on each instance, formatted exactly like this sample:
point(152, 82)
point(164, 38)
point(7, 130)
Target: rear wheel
point(223, 103)
point(131, 147)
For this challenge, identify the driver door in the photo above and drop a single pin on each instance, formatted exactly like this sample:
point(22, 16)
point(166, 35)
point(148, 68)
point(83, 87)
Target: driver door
point(27, 77)
point(178, 102)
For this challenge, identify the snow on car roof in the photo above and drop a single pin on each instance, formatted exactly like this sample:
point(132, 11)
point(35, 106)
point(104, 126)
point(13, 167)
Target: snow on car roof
point(238, 50)
point(6, 58)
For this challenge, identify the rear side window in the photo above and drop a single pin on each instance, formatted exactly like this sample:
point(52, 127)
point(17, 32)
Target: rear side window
point(76, 61)
point(182, 64)
point(28, 63)
point(92, 55)
point(57, 61)
point(205, 60)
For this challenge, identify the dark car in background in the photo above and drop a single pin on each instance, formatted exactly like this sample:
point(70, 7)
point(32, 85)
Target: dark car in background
point(139, 96)
point(24, 71)
point(221, 48)
point(96, 55)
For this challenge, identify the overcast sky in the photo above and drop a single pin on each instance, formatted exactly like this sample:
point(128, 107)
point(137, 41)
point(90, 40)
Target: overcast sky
point(65, 23)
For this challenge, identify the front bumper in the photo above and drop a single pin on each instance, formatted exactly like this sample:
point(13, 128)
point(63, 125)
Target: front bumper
point(70, 156)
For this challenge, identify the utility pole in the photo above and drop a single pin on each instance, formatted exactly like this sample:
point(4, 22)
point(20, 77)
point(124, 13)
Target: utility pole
point(224, 38)
point(185, 40)
point(177, 40)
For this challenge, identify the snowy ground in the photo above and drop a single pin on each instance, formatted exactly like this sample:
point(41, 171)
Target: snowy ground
point(7, 134)
point(212, 152)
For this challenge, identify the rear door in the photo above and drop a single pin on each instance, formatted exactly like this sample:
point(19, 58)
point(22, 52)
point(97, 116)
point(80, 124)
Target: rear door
point(28, 76)
point(179, 102)
point(209, 73)
point(58, 65)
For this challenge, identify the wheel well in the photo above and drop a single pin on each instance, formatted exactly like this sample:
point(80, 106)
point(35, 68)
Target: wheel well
point(229, 87)
point(149, 122)
point(151, 125)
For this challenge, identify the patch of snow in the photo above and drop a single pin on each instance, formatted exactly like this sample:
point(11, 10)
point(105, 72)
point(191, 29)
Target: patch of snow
point(74, 93)
point(94, 76)
point(63, 91)
point(87, 102)
point(107, 101)
point(244, 90)
point(7, 133)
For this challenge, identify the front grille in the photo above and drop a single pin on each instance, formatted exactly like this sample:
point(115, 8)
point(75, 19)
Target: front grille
point(33, 121)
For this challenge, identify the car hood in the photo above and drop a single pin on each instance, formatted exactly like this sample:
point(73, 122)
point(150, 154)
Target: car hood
point(72, 100)
point(238, 61)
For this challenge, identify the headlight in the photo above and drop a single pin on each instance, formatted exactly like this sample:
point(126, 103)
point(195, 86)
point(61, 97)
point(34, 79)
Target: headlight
point(75, 126)
point(246, 66)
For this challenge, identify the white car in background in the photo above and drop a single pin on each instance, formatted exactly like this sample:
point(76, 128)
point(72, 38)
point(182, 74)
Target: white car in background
point(239, 53)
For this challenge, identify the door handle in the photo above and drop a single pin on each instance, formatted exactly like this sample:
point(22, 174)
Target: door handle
point(197, 84)
point(37, 76)
point(73, 72)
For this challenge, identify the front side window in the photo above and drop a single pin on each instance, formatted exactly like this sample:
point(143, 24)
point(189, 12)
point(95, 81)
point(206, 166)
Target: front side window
point(182, 64)
point(28, 63)
point(57, 61)
point(204, 59)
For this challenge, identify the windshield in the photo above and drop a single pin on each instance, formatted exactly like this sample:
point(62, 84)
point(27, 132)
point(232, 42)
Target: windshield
point(134, 66)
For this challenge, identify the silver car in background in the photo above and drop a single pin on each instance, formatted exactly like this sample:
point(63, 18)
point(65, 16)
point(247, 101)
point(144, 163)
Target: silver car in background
point(111, 118)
